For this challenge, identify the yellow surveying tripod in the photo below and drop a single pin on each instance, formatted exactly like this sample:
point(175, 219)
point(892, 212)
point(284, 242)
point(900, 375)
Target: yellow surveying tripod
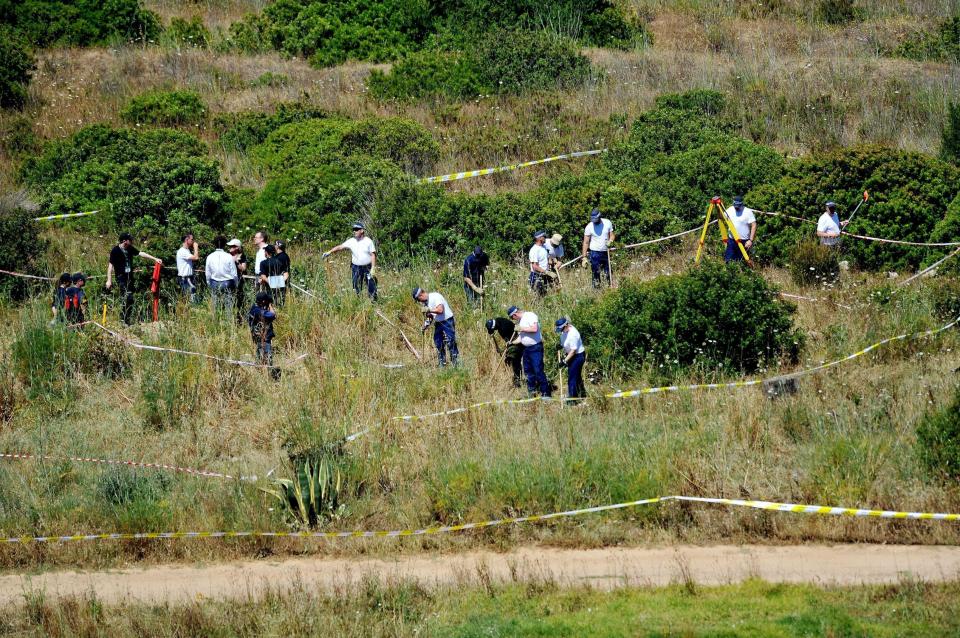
point(726, 229)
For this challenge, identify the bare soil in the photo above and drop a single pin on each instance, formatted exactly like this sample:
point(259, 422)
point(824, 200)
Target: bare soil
point(607, 568)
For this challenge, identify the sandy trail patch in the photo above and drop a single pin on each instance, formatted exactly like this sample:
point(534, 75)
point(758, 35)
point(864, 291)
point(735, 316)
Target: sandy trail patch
point(600, 568)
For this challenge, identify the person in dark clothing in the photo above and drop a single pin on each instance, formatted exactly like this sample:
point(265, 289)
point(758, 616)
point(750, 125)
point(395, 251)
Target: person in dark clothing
point(260, 319)
point(235, 248)
point(282, 266)
point(59, 296)
point(75, 301)
point(474, 267)
point(121, 266)
point(513, 356)
point(271, 274)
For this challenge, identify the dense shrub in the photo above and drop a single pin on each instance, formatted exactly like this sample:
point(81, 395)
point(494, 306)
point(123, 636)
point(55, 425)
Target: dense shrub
point(945, 296)
point(431, 73)
point(165, 108)
point(942, 45)
point(16, 67)
point(157, 182)
point(714, 318)
point(18, 224)
point(240, 131)
point(950, 141)
point(838, 11)
point(813, 264)
point(79, 22)
point(17, 137)
point(187, 33)
point(909, 196)
point(938, 441)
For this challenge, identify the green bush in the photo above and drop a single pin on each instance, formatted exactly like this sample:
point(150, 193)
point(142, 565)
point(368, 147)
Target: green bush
point(514, 61)
point(240, 131)
point(714, 318)
point(31, 248)
point(813, 264)
point(945, 295)
point(431, 73)
point(80, 22)
point(942, 45)
point(909, 198)
point(838, 11)
point(950, 141)
point(187, 33)
point(938, 441)
point(17, 137)
point(121, 486)
point(165, 108)
point(16, 67)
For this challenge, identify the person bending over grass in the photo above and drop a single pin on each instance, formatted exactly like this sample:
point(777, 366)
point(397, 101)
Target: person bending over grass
point(260, 319)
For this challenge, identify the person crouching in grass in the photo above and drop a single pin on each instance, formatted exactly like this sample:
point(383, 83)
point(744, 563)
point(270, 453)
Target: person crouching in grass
point(260, 319)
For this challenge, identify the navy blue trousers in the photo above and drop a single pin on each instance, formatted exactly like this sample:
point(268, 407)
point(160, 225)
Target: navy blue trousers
point(533, 369)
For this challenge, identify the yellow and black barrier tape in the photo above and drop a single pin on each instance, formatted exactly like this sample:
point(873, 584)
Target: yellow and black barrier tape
point(448, 529)
point(65, 215)
point(453, 177)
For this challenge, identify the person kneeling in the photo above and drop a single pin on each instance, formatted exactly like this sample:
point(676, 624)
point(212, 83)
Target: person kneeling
point(260, 319)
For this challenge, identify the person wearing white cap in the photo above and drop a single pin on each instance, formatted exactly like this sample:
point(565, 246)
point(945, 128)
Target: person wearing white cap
point(574, 356)
point(745, 223)
point(530, 337)
point(597, 237)
point(363, 261)
point(829, 226)
point(540, 264)
point(444, 327)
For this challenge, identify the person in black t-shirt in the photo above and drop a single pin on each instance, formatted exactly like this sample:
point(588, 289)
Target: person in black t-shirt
point(514, 354)
point(282, 260)
point(121, 266)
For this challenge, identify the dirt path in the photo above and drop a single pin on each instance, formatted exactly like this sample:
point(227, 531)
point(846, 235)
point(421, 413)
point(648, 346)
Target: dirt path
point(600, 568)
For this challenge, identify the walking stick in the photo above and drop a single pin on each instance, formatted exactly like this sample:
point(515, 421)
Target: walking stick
point(609, 269)
point(506, 346)
point(481, 294)
point(866, 196)
point(560, 360)
point(405, 340)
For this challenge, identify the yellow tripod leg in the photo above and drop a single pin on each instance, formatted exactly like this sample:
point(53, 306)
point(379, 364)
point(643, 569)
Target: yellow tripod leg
point(703, 234)
point(733, 232)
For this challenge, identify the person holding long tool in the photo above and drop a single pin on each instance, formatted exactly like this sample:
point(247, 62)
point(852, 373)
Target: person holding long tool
point(513, 351)
point(121, 266)
point(597, 239)
point(573, 358)
point(745, 223)
point(539, 259)
point(474, 268)
point(555, 254)
point(530, 337)
point(440, 314)
point(829, 226)
point(363, 261)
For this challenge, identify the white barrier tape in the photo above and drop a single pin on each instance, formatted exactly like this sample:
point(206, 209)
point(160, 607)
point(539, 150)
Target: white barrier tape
point(25, 276)
point(866, 237)
point(304, 290)
point(644, 243)
point(64, 216)
point(452, 177)
point(24, 456)
point(625, 394)
point(448, 529)
point(141, 346)
point(928, 268)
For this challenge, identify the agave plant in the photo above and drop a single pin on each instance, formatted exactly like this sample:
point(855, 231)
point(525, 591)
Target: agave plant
point(313, 495)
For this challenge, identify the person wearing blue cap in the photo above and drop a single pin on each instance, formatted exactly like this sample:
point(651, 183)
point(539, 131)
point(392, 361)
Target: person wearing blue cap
point(528, 330)
point(363, 263)
point(574, 356)
point(539, 259)
point(474, 267)
point(597, 238)
point(829, 226)
point(745, 223)
point(440, 315)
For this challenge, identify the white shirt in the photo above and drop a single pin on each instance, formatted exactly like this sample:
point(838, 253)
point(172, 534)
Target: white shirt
point(435, 299)
point(829, 224)
point(742, 221)
point(261, 255)
point(571, 341)
point(554, 251)
point(184, 262)
point(362, 250)
point(527, 320)
point(538, 255)
point(599, 238)
point(220, 266)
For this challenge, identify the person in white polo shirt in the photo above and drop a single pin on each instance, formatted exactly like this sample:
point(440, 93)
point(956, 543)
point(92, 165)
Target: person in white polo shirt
point(597, 238)
point(829, 226)
point(444, 326)
point(187, 256)
point(574, 356)
point(363, 259)
point(539, 258)
point(745, 223)
point(528, 331)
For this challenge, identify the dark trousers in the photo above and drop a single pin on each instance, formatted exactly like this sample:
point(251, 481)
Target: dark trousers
point(533, 368)
point(472, 297)
point(600, 266)
point(575, 387)
point(537, 283)
point(187, 287)
point(265, 356)
point(279, 295)
point(514, 358)
point(445, 338)
point(125, 288)
point(361, 274)
point(733, 251)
